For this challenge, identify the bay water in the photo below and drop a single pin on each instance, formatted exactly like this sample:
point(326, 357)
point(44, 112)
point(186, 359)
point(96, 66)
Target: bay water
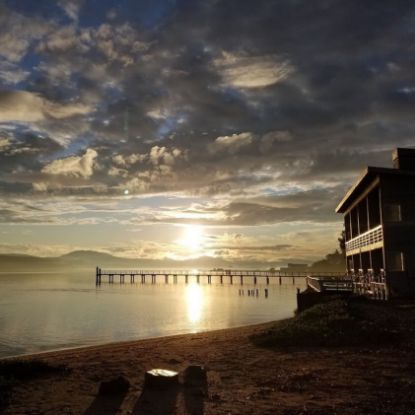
point(49, 311)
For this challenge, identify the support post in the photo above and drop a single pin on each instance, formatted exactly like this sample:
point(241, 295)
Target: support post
point(98, 276)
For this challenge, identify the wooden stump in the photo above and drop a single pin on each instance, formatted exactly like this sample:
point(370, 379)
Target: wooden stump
point(160, 379)
point(195, 375)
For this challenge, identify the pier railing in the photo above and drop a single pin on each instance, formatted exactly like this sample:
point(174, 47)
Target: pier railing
point(220, 274)
point(366, 285)
point(216, 272)
point(332, 283)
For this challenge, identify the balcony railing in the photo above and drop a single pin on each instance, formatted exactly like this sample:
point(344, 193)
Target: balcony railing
point(365, 239)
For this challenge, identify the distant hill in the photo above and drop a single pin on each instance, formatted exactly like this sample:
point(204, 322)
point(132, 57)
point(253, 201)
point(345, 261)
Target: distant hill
point(90, 259)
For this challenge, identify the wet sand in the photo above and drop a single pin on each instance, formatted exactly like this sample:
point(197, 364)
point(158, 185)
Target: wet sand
point(242, 378)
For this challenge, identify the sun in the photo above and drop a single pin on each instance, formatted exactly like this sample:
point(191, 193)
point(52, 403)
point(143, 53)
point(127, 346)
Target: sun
point(193, 237)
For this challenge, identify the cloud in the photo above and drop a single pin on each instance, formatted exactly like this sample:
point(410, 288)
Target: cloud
point(11, 74)
point(22, 106)
point(232, 144)
point(71, 7)
point(273, 137)
point(162, 155)
point(267, 110)
point(253, 248)
point(62, 39)
point(252, 71)
point(18, 32)
point(4, 143)
point(75, 166)
point(128, 160)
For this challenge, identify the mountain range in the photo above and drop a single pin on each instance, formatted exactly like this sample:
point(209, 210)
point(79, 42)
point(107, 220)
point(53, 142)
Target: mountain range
point(88, 260)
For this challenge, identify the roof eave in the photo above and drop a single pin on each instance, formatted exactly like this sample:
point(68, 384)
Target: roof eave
point(340, 206)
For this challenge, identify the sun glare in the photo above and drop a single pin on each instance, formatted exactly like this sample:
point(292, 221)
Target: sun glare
point(192, 237)
point(194, 300)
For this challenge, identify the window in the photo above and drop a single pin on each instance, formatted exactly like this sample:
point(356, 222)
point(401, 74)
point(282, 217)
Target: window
point(396, 261)
point(392, 212)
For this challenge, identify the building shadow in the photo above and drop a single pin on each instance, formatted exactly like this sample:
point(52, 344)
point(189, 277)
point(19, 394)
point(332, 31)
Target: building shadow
point(110, 396)
point(195, 390)
point(194, 400)
point(157, 401)
point(105, 405)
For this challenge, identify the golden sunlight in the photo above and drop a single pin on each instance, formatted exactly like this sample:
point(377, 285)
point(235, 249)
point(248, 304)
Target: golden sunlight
point(193, 237)
point(194, 300)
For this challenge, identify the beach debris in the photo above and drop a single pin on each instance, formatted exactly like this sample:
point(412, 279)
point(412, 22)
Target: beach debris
point(161, 379)
point(117, 386)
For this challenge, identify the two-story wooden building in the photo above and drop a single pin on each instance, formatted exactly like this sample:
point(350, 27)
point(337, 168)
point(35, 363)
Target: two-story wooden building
point(379, 220)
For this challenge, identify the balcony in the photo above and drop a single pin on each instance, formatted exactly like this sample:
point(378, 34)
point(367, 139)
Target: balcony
point(369, 240)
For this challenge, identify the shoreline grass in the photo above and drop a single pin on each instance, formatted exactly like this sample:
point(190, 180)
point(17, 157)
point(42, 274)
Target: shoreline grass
point(342, 322)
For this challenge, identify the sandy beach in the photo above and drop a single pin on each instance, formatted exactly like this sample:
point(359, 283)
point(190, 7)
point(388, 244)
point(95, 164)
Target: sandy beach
point(241, 378)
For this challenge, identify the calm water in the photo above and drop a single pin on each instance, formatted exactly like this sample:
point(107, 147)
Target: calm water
point(51, 311)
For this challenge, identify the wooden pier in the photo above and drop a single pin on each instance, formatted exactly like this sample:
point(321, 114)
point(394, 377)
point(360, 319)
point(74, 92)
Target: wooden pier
point(219, 275)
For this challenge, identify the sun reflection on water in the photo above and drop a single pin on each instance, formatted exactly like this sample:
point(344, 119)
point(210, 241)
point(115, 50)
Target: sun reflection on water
point(194, 300)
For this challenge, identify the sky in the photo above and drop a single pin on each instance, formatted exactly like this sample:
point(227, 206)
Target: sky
point(186, 128)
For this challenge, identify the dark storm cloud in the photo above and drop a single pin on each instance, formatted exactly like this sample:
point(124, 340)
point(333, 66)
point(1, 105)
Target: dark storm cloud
point(233, 98)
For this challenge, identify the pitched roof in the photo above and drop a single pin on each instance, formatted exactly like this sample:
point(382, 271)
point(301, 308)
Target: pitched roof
point(368, 175)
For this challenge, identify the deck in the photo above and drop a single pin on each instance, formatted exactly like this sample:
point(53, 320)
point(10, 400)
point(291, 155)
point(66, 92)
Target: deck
point(346, 284)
